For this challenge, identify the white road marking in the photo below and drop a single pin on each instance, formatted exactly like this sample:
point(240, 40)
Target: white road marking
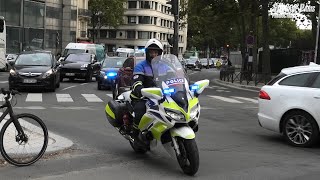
point(34, 97)
point(68, 88)
point(110, 95)
point(31, 107)
point(193, 73)
point(219, 90)
point(3, 82)
point(225, 99)
point(246, 99)
point(72, 108)
point(83, 84)
point(64, 98)
point(218, 87)
point(91, 98)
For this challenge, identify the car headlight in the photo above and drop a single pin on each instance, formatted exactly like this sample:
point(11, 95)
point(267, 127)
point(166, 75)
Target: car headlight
point(194, 112)
point(175, 116)
point(47, 74)
point(13, 72)
point(84, 65)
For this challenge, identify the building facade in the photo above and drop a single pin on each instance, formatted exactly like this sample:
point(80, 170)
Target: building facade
point(143, 20)
point(41, 24)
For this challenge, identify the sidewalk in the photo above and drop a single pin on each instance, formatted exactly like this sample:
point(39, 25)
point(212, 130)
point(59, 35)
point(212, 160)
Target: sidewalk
point(55, 143)
point(236, 84)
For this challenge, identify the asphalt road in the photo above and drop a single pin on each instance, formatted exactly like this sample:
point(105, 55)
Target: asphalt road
point(230, 141)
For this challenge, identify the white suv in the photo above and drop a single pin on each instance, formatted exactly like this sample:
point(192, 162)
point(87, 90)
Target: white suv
point(290, 104)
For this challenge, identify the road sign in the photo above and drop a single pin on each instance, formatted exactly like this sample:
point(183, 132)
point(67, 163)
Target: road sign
point(250, 40)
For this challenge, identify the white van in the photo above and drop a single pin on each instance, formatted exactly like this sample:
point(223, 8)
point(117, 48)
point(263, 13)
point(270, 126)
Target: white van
point(74, 48)
point(124, 52)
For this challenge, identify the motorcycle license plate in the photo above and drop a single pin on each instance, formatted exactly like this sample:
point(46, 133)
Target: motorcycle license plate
point(29, 81)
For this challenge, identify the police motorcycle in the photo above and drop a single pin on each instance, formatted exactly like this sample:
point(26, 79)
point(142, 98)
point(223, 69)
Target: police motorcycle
point(172, 114)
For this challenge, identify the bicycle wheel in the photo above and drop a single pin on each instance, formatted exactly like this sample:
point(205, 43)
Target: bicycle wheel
point(19, 150)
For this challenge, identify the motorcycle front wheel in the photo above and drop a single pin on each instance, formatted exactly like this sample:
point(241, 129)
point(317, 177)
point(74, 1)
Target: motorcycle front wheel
point(189, 156)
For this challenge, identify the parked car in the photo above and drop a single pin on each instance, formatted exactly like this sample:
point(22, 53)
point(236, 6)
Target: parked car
point(191, 64)
point(81, 66)
point(289, 104)
point(109, 71)
point(205, 63)
point(35, 70)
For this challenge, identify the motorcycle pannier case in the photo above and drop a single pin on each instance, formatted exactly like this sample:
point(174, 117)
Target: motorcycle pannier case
point(114, 112)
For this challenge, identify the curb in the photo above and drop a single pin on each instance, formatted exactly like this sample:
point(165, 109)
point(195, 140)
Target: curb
point(238, 86)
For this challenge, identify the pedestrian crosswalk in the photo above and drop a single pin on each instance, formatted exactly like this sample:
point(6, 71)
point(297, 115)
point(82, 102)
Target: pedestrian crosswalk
point(235, 99)
point(101, 97)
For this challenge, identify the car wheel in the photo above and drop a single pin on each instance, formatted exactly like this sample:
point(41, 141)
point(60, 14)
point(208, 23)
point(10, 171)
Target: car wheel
point(300, 129)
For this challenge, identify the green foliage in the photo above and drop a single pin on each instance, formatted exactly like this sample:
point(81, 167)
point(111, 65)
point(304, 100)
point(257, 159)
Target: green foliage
point(106, 13)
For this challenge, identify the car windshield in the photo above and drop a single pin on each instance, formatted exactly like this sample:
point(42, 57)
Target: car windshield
point(79, 58)
point(72, 51)
point(34, 59)
point(113, 62)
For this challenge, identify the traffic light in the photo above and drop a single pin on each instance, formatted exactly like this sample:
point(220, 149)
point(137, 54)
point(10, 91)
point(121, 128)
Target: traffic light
point(174, 6)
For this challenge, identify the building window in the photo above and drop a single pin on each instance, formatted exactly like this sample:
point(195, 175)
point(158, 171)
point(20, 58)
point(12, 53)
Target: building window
point(144, 20)
point(103, 33)
point(143, 35)
point(132, 20)
point(73, 15)
point(155, 20)
point(156, 6)
point(132, 4)
point(145, 5)
point(53, 12)
point(11, 11)
point(131, 34)
point(34, 14)
point(112, 34)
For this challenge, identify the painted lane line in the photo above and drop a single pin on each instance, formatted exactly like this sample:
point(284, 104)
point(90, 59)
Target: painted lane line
point(110, 95)
point(34, 97)
point(64, 98)
point(83, 84)
point(225, 99)
point(193, 73)
point(3, 82)
point(219, 90)
point(246, 99)
point(31, 107)
point(92, 98)
point(68, 88)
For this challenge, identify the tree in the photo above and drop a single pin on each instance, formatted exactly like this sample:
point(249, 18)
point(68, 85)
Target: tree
point(105, 13)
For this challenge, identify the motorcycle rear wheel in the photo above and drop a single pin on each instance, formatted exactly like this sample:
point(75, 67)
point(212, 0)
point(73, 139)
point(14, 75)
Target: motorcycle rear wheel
point(189, 156)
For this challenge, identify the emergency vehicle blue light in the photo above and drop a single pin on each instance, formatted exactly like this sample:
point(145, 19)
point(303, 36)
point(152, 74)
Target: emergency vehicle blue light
point(168, 91)
point(111, 74)
point(194, 87)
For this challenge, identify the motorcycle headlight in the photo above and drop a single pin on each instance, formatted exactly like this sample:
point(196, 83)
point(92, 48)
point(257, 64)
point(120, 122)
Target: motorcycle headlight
point(13, 72)
point(194, 112)
point(175, 116)
point(47, 74)
point(84, 65)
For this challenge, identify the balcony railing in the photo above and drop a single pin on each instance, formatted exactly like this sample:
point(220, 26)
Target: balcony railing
point(84, 13)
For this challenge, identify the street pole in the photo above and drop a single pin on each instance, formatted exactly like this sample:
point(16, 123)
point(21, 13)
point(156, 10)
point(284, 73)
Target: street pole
point(176, 35)
point(317, 39)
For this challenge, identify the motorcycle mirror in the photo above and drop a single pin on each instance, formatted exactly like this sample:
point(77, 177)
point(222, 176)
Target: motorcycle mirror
point(152, 93)
point(201, 85)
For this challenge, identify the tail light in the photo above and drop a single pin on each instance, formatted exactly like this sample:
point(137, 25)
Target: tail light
point(264, 95)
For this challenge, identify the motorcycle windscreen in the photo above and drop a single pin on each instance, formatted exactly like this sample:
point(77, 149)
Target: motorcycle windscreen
point(169, 71)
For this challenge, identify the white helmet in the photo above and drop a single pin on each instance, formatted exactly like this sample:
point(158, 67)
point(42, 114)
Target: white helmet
point(155, 45)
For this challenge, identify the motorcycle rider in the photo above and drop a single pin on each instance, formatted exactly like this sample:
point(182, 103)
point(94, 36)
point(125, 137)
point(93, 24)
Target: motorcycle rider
point(143, 78)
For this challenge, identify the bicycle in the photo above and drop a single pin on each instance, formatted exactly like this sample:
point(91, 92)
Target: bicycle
point(16, 133)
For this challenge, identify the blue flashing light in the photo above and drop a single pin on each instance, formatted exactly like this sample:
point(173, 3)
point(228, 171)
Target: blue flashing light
point(111, 74)
point(168, 91)
point(194, 87)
